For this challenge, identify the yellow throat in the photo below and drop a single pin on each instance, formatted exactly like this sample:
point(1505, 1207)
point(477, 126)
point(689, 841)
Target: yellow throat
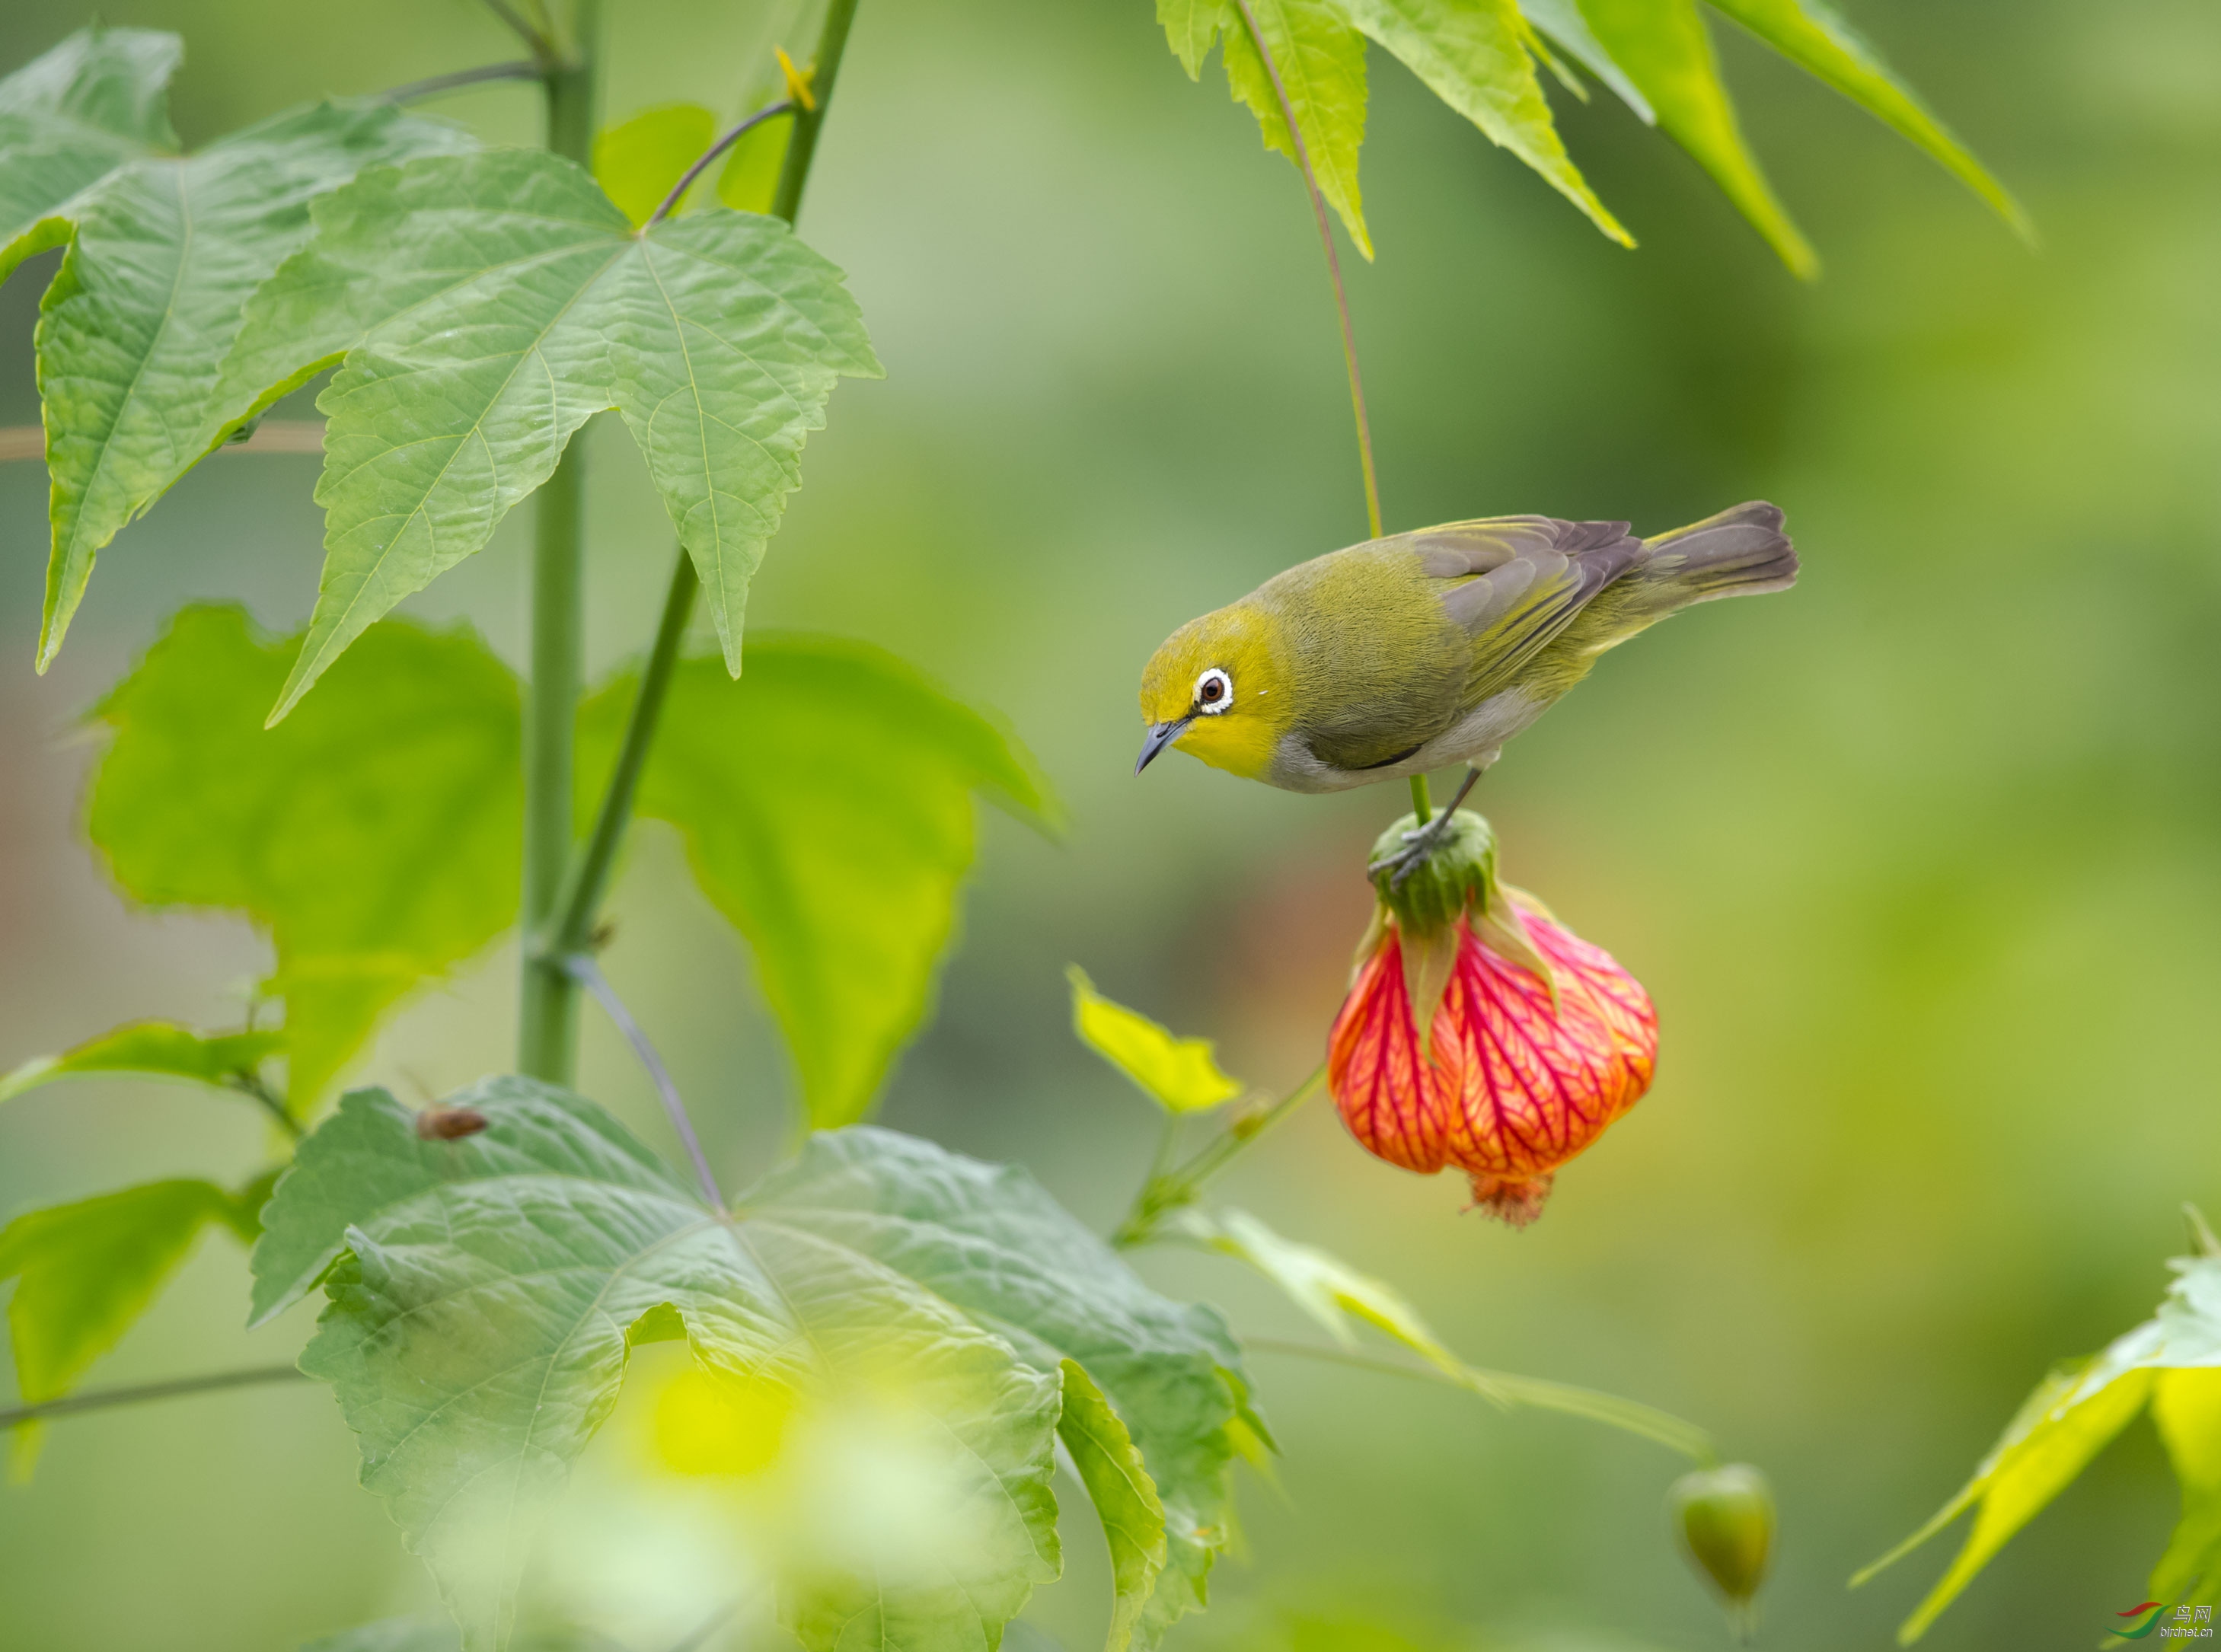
point(1226, 676)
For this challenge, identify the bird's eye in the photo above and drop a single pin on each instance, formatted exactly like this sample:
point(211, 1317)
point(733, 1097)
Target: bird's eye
point(1214, 691)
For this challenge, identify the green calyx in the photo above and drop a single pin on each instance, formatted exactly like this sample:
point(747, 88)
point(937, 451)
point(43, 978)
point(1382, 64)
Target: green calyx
point(1459, 876)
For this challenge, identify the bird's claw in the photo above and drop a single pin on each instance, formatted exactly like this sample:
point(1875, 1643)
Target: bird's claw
point(1420, 842)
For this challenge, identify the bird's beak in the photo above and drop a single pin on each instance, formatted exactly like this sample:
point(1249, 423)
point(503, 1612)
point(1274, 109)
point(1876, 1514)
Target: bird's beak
point(1160, 735)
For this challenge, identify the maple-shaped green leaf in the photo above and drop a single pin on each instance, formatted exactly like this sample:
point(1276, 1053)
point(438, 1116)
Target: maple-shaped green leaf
point(1562, 21)
point(1181, 1075)
point(489, 305)
point(163, 252)
point(989, 1239)
point(1811, 34)
point(69, 118)
point(1664, 49)
point(1125, 1498)
point(2076, 1410)
point(637, 161)
point(1321, 63)
point(374, 837)
point(84, 1272)
point(826, 800)
point(481, 1309)
point(1474, 55)
point(1320, 59)
point(160, 1048)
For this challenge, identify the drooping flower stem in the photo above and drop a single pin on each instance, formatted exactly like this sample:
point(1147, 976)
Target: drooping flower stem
point(558, 927)
point(1333, 265)
point(1422, 801)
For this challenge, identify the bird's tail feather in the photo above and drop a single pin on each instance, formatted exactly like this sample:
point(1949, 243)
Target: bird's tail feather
point(1737, 553)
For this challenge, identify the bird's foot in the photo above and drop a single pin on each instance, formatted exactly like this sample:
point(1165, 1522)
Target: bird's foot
point(1419, 844)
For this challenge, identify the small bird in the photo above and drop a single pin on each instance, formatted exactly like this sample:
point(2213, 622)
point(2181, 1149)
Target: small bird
point(1406, 655)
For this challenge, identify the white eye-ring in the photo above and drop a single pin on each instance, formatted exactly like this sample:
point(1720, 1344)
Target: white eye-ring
point(1214, 692)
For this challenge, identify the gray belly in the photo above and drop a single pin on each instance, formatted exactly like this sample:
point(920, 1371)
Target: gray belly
point(1476, 738)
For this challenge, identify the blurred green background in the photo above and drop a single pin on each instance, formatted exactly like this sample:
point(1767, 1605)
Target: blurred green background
point(1919, 860)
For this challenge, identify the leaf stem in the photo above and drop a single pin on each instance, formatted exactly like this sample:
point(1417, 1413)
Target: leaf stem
point(547, 1019)
point(1171, 1189)
point(257, 1089)
point(516, 69)
point(543, 47)
point(1506, 1390)
point(785, 106)
point(101, 1399)
point(1333, 267)
point(582, 968)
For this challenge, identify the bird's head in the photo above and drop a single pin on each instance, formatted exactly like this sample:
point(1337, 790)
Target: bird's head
point(1219, 689)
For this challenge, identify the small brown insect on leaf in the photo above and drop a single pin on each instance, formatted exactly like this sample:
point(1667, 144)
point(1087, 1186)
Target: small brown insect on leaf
point(449, 1123)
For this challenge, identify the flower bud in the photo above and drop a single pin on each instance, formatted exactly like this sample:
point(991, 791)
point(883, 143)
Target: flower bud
point(1725, 1520)
point(1459, 874)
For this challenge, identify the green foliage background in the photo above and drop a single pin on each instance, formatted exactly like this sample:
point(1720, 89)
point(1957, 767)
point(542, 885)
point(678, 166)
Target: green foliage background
point(1920, 861)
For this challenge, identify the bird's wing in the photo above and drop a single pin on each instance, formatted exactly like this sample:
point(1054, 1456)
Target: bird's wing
point(1513, 583)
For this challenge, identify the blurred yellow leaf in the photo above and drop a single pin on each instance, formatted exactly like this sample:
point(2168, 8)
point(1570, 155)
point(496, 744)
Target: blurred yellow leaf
point(2069, 1418)
point(1181, 1073)
point(709, 1424)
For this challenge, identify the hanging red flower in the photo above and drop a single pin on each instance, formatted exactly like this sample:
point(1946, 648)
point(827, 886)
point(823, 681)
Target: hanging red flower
point(1536, 1039)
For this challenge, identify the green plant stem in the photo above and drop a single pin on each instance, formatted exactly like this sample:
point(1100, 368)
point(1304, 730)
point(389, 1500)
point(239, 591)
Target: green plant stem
point(1171, 1189)
point(588, 878)
point(1422, 802)
point(560, 927)
point(253, 1087)
point(1333, 267)
point(802, 145)
point(547, 1017)
point(536, 39)
point(101, 1399)
point(1506, 1390)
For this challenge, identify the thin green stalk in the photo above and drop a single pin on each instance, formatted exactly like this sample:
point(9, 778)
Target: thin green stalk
point(1171, 1187)
point(678, 192)
point(1422, 802)
point(1333, 268)
point(432, 86)
point(101, 1399)
point(1506, 1390)
point(588, 879)
point(802, 146)
point(547, 1020)
point(562, 925)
